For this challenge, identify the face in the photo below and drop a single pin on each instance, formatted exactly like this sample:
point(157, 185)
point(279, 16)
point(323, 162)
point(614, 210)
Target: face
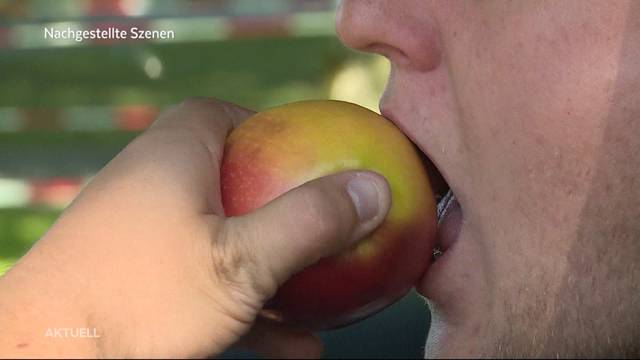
point(531, 112)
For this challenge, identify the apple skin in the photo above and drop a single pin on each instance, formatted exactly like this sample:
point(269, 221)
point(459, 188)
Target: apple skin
point(283, 147)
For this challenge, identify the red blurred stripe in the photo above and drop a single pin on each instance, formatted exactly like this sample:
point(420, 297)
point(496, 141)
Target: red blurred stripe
point(56, 192)
point(129, 118)
point(134, 117)
point(105, 8)
point(245, 27)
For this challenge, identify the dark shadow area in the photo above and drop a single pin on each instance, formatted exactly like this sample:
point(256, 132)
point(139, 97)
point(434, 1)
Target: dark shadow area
point(398, 332)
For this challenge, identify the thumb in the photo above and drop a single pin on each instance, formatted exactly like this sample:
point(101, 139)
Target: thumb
point(312, 221)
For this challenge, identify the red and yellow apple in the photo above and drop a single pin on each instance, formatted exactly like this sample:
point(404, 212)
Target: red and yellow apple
point(283, 147)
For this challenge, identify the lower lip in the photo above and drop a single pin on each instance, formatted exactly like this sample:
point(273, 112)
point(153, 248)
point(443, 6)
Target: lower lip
point(450, 221)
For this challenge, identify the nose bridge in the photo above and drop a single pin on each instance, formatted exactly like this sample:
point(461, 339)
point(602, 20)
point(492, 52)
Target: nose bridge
point(405, 31)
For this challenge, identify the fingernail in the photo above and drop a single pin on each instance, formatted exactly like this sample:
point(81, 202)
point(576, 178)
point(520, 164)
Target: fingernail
point(365, 196)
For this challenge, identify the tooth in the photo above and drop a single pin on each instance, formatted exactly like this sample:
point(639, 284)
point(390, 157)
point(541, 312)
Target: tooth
point(442, 204)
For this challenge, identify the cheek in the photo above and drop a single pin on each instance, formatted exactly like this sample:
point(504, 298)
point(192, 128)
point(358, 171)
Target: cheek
point(531, 102)
point(532, 94)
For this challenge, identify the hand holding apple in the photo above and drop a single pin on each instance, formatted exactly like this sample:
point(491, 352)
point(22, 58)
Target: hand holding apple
point(146, 244)
point(281, 148)
point(146, 257)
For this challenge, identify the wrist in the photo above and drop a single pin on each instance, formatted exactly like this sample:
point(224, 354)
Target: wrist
point(44, 313)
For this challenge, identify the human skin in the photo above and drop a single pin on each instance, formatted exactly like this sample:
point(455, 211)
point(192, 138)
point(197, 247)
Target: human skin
point(530, 111)
point(145, 259)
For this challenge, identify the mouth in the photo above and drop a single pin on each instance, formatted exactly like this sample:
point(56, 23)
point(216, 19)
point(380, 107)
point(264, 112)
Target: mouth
point(440, 284)
point(438, 184)
point(448, 208)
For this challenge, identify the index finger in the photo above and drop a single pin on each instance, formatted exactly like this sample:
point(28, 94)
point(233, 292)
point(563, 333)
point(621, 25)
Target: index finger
point(210, 120)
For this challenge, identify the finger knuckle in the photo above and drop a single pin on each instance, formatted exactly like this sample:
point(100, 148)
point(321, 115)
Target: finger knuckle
point(235, 266)
point(230, 260)
point(199, 116)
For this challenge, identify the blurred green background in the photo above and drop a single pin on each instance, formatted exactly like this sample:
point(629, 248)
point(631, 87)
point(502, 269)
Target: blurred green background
point(66, 107)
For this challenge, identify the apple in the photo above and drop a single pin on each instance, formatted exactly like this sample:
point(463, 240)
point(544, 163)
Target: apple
point(283, 147)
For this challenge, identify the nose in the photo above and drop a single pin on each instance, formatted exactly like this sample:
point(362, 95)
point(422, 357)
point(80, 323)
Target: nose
point(403, 31)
